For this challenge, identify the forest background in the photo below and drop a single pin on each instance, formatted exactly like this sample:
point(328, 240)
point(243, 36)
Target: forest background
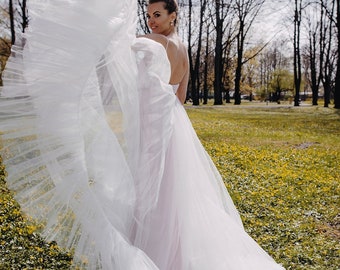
point(263, 50)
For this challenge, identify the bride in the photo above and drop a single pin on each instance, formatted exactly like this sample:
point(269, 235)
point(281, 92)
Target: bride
point(99, 148)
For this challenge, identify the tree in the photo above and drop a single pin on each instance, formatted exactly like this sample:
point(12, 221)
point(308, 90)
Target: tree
point(206, 67)
point(326, 45)
point(18, 16)
point(337, 76)
point(195, 58)
point(297, 52)
point(314, 53)
point(273, 61)
point(142, 19)
point(218, 53)
point(223, 24)
point(23, 15)
point(11, 16)
point(250, 80)
point(282, 82)
point(247, 11)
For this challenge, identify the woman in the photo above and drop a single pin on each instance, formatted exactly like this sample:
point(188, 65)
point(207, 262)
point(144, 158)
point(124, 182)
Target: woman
point(194, 223)
point(100, 150)
point(162, 20)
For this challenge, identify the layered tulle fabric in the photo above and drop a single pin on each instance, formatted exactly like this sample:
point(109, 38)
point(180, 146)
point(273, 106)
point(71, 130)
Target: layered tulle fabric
point(100, 151)
point(70, 158)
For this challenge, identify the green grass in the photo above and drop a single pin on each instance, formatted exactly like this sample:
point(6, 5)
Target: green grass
point(21, 247)
point(281, 166)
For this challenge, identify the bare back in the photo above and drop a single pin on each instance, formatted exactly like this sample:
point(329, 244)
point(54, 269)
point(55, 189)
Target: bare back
point(177, 55)
point(178, 58)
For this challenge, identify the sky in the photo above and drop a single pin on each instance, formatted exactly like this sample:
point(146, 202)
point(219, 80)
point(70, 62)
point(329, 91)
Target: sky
point(272, 22)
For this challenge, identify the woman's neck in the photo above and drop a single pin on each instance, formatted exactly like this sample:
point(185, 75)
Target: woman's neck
point(170, 33)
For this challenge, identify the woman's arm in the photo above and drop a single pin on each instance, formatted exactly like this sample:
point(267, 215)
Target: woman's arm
point(183, 85)
point(182, 88)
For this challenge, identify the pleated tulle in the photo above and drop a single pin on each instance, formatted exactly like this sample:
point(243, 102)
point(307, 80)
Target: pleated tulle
point(70, 158)
point(99, 150)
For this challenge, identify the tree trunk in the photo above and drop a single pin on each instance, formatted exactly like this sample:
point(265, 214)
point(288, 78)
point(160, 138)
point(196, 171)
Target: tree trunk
point(24, 15)
point(195, 78)
point(328, 64)
point(11, 16)
point(313, 71)
point(297, 56)
point(238, 73)
point(337, 77)
point(206, 62)
point(327, 92)
point(218, 56)
point(191, 65)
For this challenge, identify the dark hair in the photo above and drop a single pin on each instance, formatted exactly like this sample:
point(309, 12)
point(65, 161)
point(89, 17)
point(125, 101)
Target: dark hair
point(170, 6)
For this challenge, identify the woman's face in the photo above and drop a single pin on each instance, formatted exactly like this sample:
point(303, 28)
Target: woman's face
point(159, 19)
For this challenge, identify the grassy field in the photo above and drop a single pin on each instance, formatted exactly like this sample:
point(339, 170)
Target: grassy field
point(281, 166)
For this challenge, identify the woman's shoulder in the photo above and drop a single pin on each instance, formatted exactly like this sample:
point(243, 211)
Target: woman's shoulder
point(170, 43)
point(158, 38)
point(177, 50)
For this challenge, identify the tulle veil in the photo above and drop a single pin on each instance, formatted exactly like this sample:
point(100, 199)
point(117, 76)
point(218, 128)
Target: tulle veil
point(69, 114)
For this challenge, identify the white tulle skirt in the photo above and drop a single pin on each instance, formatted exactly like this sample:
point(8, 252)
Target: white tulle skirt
point(100, 151)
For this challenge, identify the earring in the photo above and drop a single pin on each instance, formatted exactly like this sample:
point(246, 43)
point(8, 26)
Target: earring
point(172, 23)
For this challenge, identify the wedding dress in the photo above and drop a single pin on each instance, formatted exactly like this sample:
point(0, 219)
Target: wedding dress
point(100, 151)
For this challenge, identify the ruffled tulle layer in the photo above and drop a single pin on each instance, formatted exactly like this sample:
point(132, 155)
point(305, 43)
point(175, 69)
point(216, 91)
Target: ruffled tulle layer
point(70, 158)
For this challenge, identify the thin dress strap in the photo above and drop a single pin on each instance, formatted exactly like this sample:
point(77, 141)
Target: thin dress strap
point(167, 44)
